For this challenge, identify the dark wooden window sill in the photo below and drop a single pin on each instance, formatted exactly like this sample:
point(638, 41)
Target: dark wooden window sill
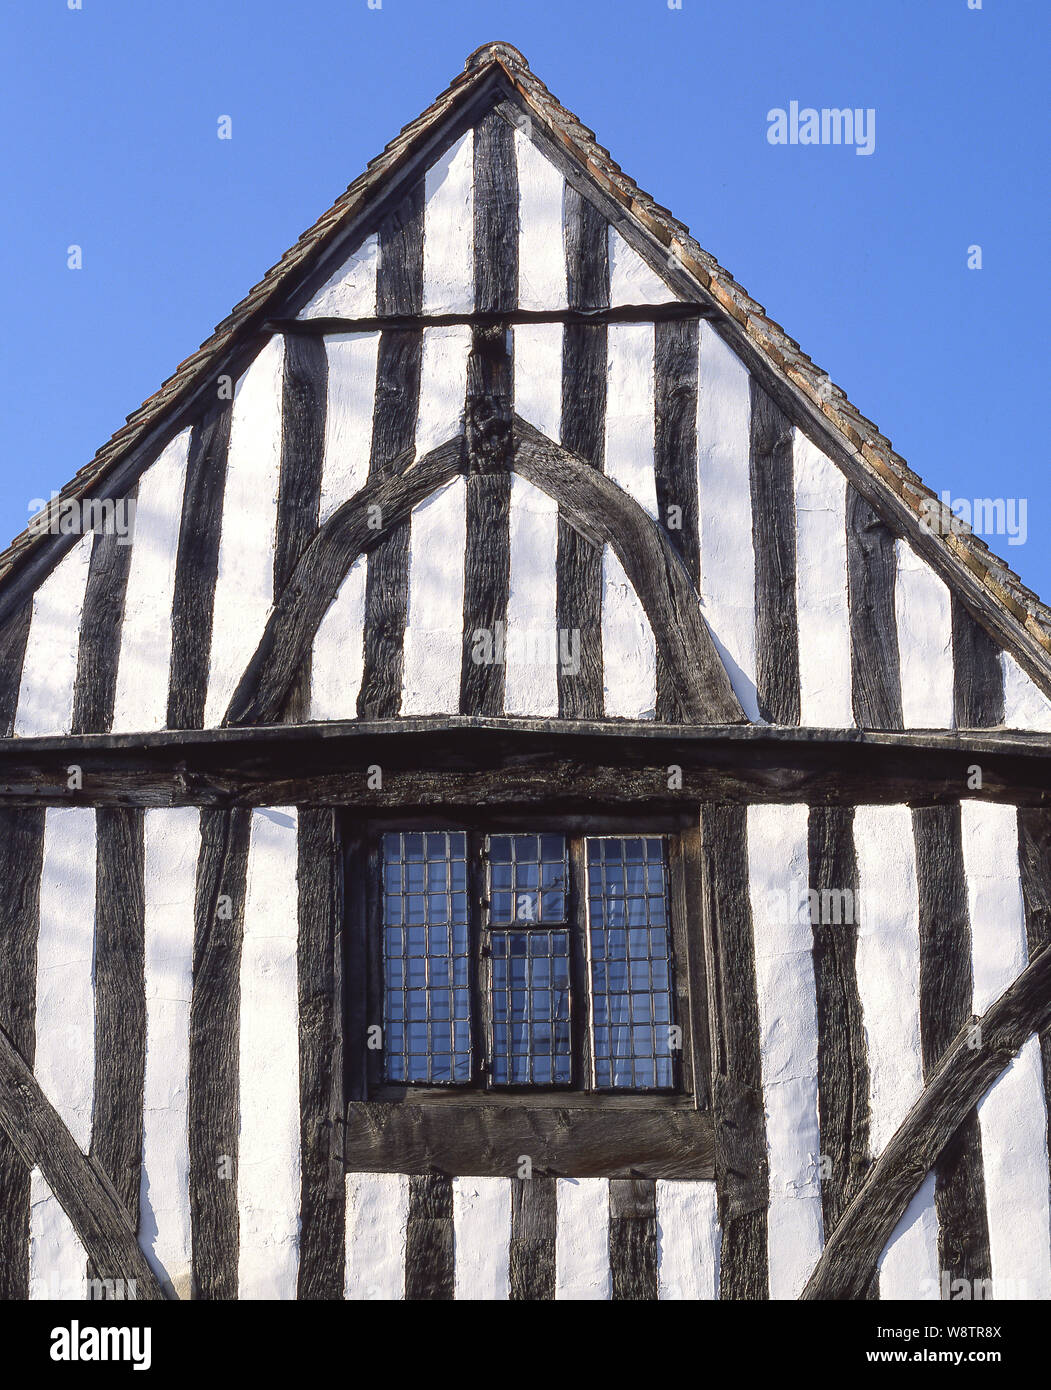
point(482, 1136)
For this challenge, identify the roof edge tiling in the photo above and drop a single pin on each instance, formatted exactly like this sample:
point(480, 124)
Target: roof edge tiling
point(870, 450)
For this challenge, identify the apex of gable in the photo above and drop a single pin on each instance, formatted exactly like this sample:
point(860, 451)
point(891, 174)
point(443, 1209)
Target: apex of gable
point(495, 52)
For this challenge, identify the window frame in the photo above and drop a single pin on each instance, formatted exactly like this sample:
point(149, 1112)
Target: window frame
point(363, 939)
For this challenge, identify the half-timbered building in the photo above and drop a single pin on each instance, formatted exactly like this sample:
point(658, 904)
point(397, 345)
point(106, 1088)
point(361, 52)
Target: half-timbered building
point(543, 803)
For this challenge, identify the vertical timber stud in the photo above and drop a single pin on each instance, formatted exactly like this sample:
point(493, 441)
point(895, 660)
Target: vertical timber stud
point(120, 1005)
point(978, 679)
point(299, 494)
point(487, 564)
point(429, 1239)
point(100, 629)
point(842, 1061)
point(675, 464)
point(946, 997)
point(322, 1207)
point(579, 601)
point(774, 533)
point(21, 862)
point(214, 1105)
point(399, 290)
point(633, 1238)
point(871, 575)
point(13, 640)
point(1034, 854)
point(742, 1169)
point(196, 567)
point(533, 1225)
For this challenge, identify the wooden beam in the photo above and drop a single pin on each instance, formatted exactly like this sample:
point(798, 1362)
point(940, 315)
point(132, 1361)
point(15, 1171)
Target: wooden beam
point(961, 1079)
point(672, 312)
point(102, 1222)
point(429, 761)
point(604, 514)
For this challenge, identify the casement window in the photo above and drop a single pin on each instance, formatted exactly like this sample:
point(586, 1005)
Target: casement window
point(528, 960)
point(519, 984)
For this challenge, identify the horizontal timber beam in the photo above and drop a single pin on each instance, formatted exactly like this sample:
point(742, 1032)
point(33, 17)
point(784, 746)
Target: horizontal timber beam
point(435, 761)
point(496, 318)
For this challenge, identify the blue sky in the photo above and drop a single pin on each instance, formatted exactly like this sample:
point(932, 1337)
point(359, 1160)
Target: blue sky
point(110, 117)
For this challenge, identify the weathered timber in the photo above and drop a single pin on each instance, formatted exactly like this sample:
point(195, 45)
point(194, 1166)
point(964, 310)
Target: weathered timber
point(531, 1264)
point(673, 312)
point(961, 1078)
point(13, 638)
point(578, 566)
point(399, 289)
point(322, 1223)
point(871, 573)
point(304, 394)
point(842, 1058)
point(571, 1140)
point(506, 762)
point(742, 1169)
point(429, 1239)
point(774, 535)
point(213, 1095)
point(598, 509)
point(120, 1005)
point(21, 861)
point(675, 366)
point(35, 1131)
point(196, 568)
point(978, 679)
point(100, 629)
point(487, 561)
point(633, 1239)
point(1034, 859)
point(946, 1000)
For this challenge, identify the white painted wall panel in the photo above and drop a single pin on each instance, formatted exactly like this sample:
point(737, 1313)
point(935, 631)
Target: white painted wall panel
point(724, 413)
point(1025, 705)
point(351, 359)
point(65, 1033)
point(172, 840)
point(433, 647)
point(629, 651)
point(140, 700)
point(689, 1240)
point(350, 292)
point(924, 618)
point(631, 281)
point(531, 672)
point(541, 241)
point(887, 965)
point(538, 376)
point(1012, 1116)
point(244, 588)
point(268, 1187)
point(821, 588)
point(338, 658)
point(582, 1239)
point(448, 231)
point(482, 1237)
point(778, 876)
point(377, 1215)
point(443, 386)
point(45, 692)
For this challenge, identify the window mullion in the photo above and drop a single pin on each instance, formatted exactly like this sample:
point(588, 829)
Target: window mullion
point(580, 991)
point(481, 968)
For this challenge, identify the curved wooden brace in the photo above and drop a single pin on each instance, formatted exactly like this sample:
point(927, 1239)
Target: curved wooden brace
point(353, 529)
point(590, 502)
point(963, 1076)
point(41, 1140)
point(606, 515)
